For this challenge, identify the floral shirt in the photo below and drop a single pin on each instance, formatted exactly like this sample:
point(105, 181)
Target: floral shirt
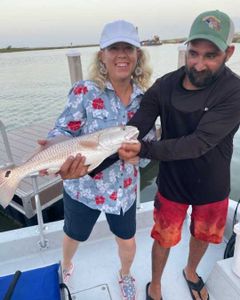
point(90, 109)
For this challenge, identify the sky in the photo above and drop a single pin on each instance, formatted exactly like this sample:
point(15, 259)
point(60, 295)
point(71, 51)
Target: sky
point(39, 23)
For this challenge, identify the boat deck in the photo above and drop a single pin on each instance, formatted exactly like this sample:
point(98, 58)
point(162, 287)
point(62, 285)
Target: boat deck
point(22, 143)
point(96, 261)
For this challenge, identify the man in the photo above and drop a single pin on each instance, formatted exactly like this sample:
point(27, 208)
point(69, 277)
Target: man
point(199, 107)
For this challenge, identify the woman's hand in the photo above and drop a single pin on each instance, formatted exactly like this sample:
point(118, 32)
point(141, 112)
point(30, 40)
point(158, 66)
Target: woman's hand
point(44, 144)
point(73, 167)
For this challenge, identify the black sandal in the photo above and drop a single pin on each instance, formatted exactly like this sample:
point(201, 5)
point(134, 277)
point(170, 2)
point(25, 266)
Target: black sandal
point(147, 296)
point(195, 286)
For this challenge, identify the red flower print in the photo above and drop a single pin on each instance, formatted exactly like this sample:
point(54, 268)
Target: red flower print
point(98, 103)
point(99, 200)
point(113, 196)
point(74, 125)
point(130, 115)
point(127, 182)
point(84, 90)
point(135, 172)
point(135, 189)
point(80, 90)
point(98, 176)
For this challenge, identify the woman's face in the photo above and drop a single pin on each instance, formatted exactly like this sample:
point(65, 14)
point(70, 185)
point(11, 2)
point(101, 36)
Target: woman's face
point(120, 60)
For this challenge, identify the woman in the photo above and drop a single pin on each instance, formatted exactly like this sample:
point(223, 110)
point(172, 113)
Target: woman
point(119, 75)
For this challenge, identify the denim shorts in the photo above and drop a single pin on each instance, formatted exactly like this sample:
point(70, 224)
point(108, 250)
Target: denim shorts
point(80, 219)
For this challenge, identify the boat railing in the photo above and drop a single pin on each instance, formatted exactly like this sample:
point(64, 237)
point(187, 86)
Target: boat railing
point(43, 243)
point(12, 150)
point(6, 144)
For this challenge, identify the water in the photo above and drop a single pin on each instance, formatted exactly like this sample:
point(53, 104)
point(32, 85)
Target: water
point(34, 87)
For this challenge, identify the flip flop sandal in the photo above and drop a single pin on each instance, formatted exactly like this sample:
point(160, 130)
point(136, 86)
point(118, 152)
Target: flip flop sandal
point(147, 296)
point(195, 286)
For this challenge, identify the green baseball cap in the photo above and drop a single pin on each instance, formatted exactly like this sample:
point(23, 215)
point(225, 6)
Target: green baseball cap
point(214, 26)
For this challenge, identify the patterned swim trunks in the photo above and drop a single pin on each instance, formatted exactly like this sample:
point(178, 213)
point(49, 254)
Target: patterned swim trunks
point(207, 221)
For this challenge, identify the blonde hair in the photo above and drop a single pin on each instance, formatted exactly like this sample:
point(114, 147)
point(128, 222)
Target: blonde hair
point(143, 80)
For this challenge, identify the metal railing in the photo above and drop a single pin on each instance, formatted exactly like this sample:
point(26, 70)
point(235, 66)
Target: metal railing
point(43, 243)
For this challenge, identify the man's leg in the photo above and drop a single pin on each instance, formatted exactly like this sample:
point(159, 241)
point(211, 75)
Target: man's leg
point(168, 217)
point(197, 250)
point(159, 259)
point(207, 226)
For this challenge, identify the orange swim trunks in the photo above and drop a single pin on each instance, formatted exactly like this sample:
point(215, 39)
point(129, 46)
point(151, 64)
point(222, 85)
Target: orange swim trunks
point(207, 221)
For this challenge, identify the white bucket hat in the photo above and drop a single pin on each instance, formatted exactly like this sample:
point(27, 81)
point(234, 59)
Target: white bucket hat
point(119, 31)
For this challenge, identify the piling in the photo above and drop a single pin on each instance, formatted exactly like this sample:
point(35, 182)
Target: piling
point(75, 66)
point(236, 257)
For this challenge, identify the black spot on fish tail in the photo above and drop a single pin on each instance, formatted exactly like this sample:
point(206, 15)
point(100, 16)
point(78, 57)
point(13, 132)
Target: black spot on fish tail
point(7, 174)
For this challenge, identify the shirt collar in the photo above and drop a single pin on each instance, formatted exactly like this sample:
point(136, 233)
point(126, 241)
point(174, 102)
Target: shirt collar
point(136, 89)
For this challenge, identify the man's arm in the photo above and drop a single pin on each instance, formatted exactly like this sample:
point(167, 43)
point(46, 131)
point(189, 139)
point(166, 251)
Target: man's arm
point(214, 126)
point(148, 112)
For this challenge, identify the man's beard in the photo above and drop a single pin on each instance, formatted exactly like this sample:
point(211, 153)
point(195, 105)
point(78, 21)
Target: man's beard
point(203, 78)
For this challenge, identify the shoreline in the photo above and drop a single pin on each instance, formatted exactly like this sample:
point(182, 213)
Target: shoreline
point(21, 49)
point(11, 49)
point(24, 49)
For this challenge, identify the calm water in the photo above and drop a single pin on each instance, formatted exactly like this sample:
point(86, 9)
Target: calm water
point(34, 86)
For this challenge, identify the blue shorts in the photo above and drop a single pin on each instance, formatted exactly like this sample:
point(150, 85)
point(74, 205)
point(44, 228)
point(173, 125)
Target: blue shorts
point(80, 219)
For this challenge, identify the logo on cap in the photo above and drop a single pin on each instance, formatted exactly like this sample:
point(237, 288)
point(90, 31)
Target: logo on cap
point(212, 22)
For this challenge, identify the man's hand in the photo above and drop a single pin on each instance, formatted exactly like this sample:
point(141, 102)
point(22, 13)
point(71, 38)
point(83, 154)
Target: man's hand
point(129, 151)
point(73, 167)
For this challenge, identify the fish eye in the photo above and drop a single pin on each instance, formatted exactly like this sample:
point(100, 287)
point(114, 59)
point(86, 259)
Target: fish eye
point(7, 174)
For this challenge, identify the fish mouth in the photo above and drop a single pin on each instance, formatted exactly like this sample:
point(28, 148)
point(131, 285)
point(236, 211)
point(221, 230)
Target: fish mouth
point(133, 134)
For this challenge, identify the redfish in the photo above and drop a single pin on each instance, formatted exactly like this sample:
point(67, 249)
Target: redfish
point(94, 146)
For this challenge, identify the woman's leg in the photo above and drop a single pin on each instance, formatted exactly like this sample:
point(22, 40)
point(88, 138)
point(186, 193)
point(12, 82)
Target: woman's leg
point(126, 251)
point(123, 226)
point(79, 221)
point(69, 249)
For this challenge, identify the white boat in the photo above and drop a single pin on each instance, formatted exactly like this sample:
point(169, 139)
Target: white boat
point(96, 261)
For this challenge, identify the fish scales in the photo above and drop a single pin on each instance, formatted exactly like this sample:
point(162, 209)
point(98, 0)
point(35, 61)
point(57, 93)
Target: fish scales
point(95, 147)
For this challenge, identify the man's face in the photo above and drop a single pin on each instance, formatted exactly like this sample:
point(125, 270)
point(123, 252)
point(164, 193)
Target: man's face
point(204, 61)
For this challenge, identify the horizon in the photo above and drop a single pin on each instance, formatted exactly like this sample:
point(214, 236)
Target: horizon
point(53, 23)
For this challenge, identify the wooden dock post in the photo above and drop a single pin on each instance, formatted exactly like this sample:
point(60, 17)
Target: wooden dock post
point(75, 66)
point(181, 55)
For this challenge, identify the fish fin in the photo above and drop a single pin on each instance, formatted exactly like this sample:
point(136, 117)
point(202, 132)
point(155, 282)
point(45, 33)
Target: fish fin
point(53, 141)
point(53, 170)
point(94, 165)
point(48, 172)
point(9, 181)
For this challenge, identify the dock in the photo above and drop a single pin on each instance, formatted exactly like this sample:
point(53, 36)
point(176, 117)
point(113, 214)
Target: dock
point(22, 142)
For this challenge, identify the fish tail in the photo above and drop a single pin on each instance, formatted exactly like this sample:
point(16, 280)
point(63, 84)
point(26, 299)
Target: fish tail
point(9, 180)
